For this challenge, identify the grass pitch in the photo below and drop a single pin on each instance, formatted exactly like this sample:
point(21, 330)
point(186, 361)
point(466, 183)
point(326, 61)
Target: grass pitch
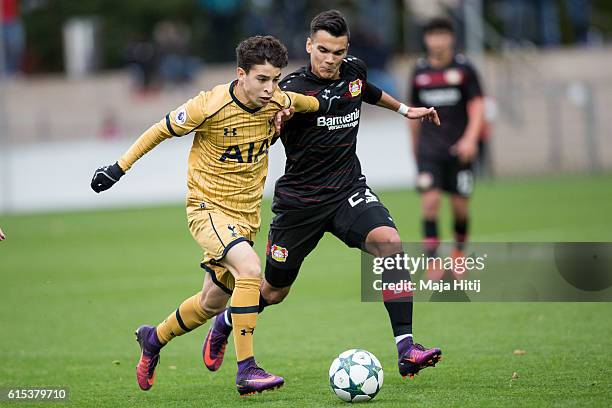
point(76, 285)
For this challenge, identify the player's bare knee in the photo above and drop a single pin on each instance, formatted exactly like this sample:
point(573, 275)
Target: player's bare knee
point(430, 203)
point(249, 271)
point(392, 243)
point(276, 295)
point(383, 241)
point(212, 305)
point(211, 309)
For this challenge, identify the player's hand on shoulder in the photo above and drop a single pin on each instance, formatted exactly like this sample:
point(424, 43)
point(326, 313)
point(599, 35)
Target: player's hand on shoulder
point(104, 177)
point(282, 116)
point(429, 114)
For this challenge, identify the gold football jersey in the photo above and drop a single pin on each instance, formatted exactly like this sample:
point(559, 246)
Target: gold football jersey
point(228, 162)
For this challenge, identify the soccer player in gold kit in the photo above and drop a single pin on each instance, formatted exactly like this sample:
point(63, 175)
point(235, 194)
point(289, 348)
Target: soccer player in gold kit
point(228, 165)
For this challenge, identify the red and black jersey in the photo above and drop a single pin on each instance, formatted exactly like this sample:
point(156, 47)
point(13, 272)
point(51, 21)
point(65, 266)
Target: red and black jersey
point(322, 164)
point(448, 90)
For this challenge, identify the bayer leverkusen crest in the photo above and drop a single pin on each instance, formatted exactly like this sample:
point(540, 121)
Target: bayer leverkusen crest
point(279, 254)
point(355, 87)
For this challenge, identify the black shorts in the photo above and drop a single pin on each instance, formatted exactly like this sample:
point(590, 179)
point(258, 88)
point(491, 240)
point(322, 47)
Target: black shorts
point(295, 233)
point(447, 174)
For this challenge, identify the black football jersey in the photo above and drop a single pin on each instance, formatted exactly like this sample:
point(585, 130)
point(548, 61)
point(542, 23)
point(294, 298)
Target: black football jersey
point(322, 164)
point(448, 90)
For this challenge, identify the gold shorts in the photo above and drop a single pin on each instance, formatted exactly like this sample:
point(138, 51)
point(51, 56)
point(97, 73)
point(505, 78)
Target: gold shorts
point(216, 234)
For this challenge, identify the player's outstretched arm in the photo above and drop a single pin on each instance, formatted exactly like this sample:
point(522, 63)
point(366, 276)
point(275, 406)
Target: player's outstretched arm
point(179, 122)
point(302, 103)
point(295, 102)
point(389, 102)
point(106, 176)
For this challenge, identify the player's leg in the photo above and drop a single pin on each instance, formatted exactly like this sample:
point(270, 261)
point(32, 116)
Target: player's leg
point(371, 228)
point(287, 247)
point(213, 349)
point(279, 274)
point(192, 313)
point(461, 186)
point(384, 241)
point(429, 182)
point(460, 208)
point(430, 206)
point(243, 263)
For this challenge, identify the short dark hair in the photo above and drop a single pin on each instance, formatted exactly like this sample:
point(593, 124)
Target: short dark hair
point(439, 24)
point(331, 21)
point(258, 50)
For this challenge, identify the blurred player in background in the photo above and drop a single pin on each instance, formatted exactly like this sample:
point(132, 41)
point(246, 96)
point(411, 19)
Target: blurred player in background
point(228, 165)
point(444, 154)
point(323, 189)
point(2, 236)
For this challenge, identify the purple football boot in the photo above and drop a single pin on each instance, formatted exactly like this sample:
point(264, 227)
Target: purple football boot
point(413, 357)
point(252, 379)
point(149, 356)
point(213, 349)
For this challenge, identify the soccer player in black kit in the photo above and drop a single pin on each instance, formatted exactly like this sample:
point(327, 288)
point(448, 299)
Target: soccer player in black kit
point(323, 189)
point(444, 154)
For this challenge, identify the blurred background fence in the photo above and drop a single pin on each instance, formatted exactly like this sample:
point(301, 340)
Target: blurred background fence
point(82, 79)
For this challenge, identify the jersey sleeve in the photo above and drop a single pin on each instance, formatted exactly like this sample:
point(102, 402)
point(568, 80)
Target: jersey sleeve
point(472, 86)
point(301, 103)
point(187, 117)
point(371, 93)
point(179, 122)
point(358, 66)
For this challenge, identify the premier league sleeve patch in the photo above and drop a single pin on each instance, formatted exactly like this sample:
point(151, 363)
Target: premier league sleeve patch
point(181, 116)
point(355, 87)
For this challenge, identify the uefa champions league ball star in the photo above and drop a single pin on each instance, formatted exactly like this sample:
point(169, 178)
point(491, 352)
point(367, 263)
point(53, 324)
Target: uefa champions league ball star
point(356, 376)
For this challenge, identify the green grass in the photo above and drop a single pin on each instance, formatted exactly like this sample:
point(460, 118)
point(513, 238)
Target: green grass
point(76, 285)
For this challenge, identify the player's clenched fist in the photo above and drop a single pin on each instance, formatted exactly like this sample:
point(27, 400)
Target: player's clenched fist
point(105, 177)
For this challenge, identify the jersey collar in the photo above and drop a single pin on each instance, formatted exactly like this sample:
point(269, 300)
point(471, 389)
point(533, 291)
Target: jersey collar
point(240, 104)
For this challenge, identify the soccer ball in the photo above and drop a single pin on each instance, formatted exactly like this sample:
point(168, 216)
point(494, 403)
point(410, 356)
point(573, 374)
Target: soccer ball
point(355, 376)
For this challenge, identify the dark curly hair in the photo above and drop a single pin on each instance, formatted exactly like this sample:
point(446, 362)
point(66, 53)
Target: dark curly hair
point(258, 50)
